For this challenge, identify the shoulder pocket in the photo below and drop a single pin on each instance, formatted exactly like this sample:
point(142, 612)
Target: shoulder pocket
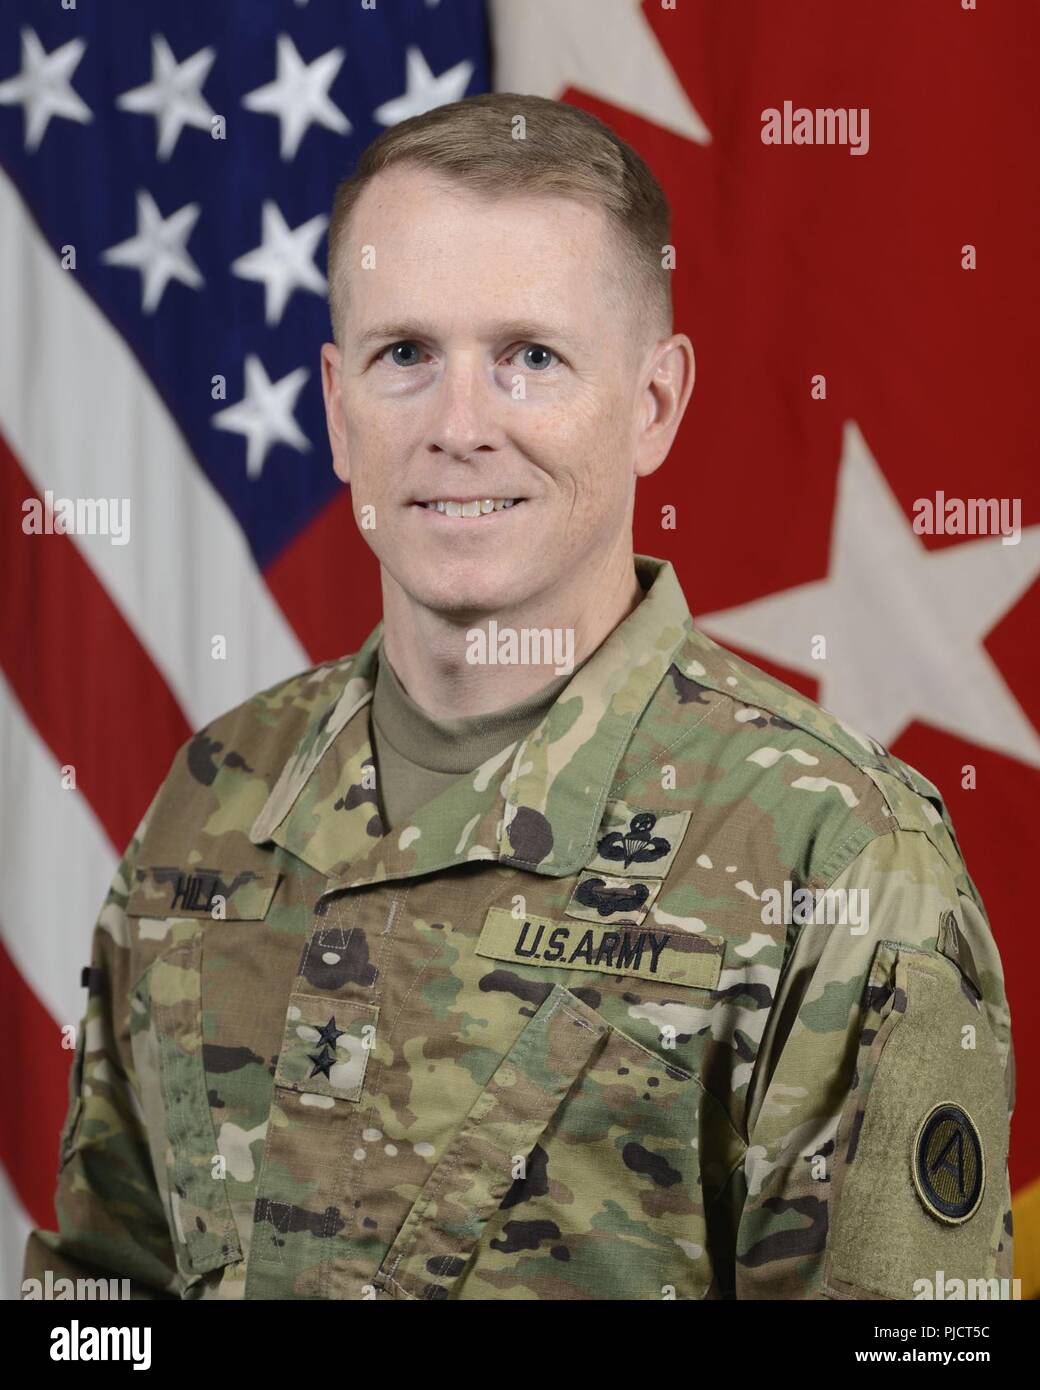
point(166, 1037)
point(575, 1174)
point(919, 1186)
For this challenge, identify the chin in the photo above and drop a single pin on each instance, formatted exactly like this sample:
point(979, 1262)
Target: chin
point(465, 591)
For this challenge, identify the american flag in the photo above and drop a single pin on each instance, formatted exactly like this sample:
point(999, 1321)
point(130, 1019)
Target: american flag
point(167, 173)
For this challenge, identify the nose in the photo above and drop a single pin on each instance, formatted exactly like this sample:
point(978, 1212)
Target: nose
point(464, 413)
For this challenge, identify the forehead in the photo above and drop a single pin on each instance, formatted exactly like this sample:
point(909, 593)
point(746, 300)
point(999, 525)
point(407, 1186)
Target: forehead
point(441, 243)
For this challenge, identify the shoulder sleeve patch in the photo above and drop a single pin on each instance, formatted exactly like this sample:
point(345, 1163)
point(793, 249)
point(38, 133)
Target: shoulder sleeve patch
point(919, 1179)
point(949, 1164)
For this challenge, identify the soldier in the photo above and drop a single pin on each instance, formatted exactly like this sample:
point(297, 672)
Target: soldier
point(622, 972)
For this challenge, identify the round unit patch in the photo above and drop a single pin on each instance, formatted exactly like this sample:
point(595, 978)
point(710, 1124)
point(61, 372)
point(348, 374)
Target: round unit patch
point(948, 1164)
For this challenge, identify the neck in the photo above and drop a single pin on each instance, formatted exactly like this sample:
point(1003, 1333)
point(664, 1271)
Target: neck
point(428, 649)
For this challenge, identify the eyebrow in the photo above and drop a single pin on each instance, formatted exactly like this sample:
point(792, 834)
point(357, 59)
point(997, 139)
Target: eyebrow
point(520, 329)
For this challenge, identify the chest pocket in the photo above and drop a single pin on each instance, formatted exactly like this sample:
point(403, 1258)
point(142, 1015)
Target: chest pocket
point(166, 1039)
point(574, 1175)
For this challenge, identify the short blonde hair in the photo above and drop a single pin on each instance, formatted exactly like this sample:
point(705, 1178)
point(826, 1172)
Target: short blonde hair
point(563, 151)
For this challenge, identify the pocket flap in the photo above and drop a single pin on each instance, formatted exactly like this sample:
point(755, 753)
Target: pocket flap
point(478, 1168)
point(237, 895)
point(170, 995)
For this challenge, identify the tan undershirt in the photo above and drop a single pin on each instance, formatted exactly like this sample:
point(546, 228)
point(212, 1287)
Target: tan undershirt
point(417, 756)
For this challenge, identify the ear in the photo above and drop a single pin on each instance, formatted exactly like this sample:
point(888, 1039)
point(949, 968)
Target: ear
point(334, 421)
point(668, 386)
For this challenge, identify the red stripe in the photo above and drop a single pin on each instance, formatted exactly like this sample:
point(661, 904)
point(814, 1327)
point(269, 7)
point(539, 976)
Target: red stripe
point(99, 703)
point(36, 1097)
point(83, 678)
point(327, 583)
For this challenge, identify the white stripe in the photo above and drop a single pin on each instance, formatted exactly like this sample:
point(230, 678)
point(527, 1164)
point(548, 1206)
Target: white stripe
point(15, 1226)
point(85, 421)
point(57, 866)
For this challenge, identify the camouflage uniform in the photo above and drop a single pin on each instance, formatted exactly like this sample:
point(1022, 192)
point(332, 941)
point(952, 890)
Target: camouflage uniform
point(544, 1041)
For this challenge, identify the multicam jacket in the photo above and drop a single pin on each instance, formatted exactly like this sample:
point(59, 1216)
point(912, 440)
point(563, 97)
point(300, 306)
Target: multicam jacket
point(589, 1027)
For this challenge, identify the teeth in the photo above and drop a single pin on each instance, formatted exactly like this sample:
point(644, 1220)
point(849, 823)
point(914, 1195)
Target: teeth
point(475, 506)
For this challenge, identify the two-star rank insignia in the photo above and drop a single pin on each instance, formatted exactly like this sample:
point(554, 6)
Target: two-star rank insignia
point(948, 1164)
point(325, 1057)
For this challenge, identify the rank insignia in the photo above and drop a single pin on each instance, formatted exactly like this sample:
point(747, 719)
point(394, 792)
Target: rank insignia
point(324, 1058)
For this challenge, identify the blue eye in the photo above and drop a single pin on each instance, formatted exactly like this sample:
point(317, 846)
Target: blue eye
point(543, 355)
point(406, 347)
point(407, 353)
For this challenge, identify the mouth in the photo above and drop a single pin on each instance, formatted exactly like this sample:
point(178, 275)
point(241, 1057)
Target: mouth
point(469, 508)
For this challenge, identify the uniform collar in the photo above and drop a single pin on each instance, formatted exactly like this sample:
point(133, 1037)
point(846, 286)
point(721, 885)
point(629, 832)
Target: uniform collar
point(535, 805)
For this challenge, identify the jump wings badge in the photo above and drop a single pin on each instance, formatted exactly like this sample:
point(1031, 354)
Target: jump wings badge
point(638, 843)
point(637, 846)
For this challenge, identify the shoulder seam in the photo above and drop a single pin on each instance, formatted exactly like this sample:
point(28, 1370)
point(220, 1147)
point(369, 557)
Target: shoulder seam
point(860, 763)
point(841, 859)
point(688, 731)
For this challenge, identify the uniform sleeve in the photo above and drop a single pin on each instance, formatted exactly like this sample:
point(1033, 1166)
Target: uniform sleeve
point(879, 1108)
point(111, 1218)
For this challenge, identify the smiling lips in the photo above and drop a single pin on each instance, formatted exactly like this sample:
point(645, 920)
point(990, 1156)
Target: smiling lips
point(473, 506)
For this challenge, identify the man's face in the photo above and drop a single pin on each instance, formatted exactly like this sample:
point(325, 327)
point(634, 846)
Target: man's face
point(487, 358)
